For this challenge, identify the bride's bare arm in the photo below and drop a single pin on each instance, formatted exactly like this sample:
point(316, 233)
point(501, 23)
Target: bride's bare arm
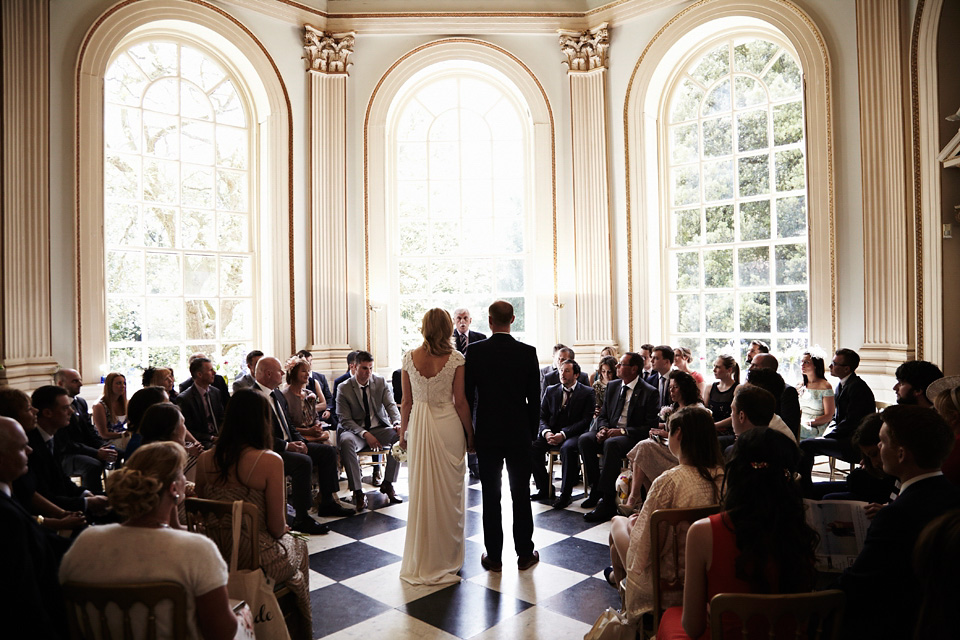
point(405, 406)
point(463, 409)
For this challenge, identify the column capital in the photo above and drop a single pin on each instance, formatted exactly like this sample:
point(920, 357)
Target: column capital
point(585, 50)
point(327, 52)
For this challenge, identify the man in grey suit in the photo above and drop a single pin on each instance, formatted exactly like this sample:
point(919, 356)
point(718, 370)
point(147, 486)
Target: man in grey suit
point(247, 380)
point(369, 418)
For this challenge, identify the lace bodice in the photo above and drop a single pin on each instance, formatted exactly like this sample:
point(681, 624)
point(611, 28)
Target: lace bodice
point(437, 390)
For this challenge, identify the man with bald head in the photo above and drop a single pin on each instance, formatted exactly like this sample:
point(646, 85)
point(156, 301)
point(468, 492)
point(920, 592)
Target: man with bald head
point(81, 449)
point(788, 402)
point(299, 456)
point(30, 554)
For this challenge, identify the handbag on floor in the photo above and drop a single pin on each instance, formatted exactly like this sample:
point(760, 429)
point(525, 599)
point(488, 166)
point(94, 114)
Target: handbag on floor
point(612, 625)
point(255, 589)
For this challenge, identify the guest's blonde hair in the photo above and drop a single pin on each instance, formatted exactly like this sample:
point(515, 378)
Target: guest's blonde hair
point(109, 396)
point(136, 488)
point(437, 331)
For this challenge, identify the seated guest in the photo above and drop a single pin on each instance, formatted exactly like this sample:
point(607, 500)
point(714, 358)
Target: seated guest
point(771, 382)
point(606, 352)
point(629, 412)
point(553, 377)
point(719, 396)
point(30, 555)
point(854, 401)
point(606, 373)
point(753, 407)
point(565, 414)
point(163, 422)
point(759, 543)
point(756, 348)
point(682, 359)
point(245, 379)
point(652, 456)
point(137, 407)
point(201, 403)
point(945, 394)
point(351, 370)
point(162, 377)
point(110, 413)
point(553, 366)
point(914, 442)
point(913, 378)
point(145, 548)
point(788, 401)
point(817, 404)
point(646, 351)
point(662, 361)
point(241, 466)
point(936, 559)
point(694, 482)
point(867, 483)
point(304, 406)
point(219, 383)
point(317, 385)
point(81, 450)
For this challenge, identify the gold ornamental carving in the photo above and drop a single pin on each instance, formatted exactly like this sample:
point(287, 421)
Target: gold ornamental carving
point(328, 52)
point(585, 50)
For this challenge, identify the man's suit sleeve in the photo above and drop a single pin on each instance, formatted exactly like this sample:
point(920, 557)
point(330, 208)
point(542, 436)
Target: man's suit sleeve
point(645, 416)
point(546, 414)
point(861, 404)
point(469, 377)
point(345, 398)
point(532, 392)
point(583, 405)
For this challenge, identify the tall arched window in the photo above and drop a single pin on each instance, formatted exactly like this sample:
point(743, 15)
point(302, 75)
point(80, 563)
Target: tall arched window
point(459, 138)
point(179, 267)
point(737, 200)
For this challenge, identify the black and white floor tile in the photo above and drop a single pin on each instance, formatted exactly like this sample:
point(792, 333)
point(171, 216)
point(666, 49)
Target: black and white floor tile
point(356, 590)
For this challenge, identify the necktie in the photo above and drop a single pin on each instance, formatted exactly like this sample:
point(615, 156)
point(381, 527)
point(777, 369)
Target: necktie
point(663, 392)
point(211, 418)
point(283, 420)
point(366, 409)
point(461, 342)
point(50, 445)
point(566, 397)
point(622, 400)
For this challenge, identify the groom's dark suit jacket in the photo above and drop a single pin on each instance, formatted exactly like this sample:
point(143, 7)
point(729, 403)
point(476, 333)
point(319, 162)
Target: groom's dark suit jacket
point(502, 379)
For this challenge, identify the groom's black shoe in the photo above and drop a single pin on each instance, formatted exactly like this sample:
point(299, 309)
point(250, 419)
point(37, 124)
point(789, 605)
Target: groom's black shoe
point(489, 564)
point(563, 501)
point(603, 512)
point(591, 502)
point(386, 488)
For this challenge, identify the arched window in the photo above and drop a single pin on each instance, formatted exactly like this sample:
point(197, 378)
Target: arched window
point(737, 265)
point(460, 141)
point(179, 267)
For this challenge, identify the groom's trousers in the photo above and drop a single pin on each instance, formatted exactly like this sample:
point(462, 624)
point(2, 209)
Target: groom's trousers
point(491, 461)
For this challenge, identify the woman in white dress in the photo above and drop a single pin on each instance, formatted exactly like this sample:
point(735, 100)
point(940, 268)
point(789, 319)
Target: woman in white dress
point(817, 403)
point(437, 431)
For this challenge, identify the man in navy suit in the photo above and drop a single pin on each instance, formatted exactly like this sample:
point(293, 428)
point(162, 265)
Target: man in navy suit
point(462, 335)
point(351, 370)
point(81, 449)
point(202, 404)
point(506, 411)
point(854, 401)
point(219, 383)
point(629, 412)
point(661, 361)
point(553, 377)
point(914, 441)
point(565, 415)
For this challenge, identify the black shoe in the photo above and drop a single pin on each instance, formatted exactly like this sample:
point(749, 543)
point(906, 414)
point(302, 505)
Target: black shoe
point(490, 565)
point(387, 489)
point(539, 495)
point(591, 502)
point(333, 510)
point(310, 526)
point(601, 513)
point(608, 574)
point(526, 562)
point(563, 501)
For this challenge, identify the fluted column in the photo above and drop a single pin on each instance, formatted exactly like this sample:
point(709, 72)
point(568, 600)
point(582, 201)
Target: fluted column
point(586, 54)
point(328, 57)
point(886, 224)
point(25, 334)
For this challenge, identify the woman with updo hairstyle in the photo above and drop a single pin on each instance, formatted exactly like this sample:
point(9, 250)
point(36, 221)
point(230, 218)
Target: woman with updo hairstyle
point(146, 548)
point(760, 542)
point(945, 394)
point(682, 359)
point(242, 466)
point(817, 402)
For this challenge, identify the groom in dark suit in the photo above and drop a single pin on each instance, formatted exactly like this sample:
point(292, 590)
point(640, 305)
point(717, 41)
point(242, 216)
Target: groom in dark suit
point(503, 389)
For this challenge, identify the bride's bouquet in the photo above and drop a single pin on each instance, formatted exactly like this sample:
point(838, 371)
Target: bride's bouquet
point(399, 454)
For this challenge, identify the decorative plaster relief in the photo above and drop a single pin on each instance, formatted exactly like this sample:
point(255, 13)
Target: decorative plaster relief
point(585, 50)
point(327, 52)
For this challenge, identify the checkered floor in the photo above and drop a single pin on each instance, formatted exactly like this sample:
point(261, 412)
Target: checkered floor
point(357, 593)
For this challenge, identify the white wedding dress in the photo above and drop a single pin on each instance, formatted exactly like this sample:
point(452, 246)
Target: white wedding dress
point(436, 448)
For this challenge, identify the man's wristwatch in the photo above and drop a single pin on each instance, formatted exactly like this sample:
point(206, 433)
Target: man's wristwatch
point(623, 432)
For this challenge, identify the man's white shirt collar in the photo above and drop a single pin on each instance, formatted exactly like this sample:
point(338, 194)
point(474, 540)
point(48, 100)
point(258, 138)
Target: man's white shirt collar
point(915, 479)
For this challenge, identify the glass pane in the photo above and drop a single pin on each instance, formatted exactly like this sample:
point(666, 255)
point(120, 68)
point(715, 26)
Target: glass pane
point(226, 105)
point(125, 272)
point(232, 234)
point(161, 135)
point(121, 129)
point(197, 186)
point(717, 137)
point(414, 122)
point(126, 360)
point(478, 95)
point(718, 310)
point(439, 96)
point(413, 238)
point(754, 175)
point(508, 199)
point(163, 96)
point(200, 275)
point(791, 264)
point(476, 160)
point(199, 69)
point(412, 199)
point(790, 170)
point(755, 311)
point(686, 227)
point(686, 185)
point(755, 220)
point(197, 141)
point(124, 82)
point(157, 59)
point(752, 130)
point(754, 266)
point(788, 123)
point(687, 270)
point(477, 198)
point(233, 355)
point(783, 79)
point(476, 278)
point(194, 102)
point(686, 313)
point(509, 276)
point(160, 179)
point(718, 100)
point(163, 273)
point(510, 160)
point(197, 229)
point(445, 235)
point(477, 228)
point(163, 321)
point(712, 66)
point(122, 224)
point(686, 101)
point(684, 145)
point(444, 161)
point(235, 278)
point(473, 128)
point(716, 347)
point(792, 311)
point(412, 275)
point(231, 147)
point(125, 318)
point(411, 160)
point(231, 190)
point(791, 216)
point(718, 180)
point(719, 224)
point(446, 278)
point(753, 55)
point(519, 310)
point(201, 319)
point(509, 235)
point(164, 357)
point(747, 92)
point(121, 178)
point(160, 227)
point(718, 268)
point(505, 123)
point(236, 320)
point(445, 199)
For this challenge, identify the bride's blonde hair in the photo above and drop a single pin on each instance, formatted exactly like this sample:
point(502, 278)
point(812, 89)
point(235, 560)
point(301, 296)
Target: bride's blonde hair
point(437, 331)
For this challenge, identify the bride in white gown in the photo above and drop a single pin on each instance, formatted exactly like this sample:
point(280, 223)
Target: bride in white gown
point(436, 430)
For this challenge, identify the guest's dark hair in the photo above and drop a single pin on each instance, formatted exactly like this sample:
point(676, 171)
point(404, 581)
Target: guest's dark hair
point(868, 431)
point(140, 402)
point(159, 423)
point(197, 363)
point(764, 509)
point(246, 423)
point(689, 390)
point(698, 442)
point(352, 357)
point(935, 561)
point(303, 353)
point(646, 347)
point(918, 374)
point(758, 404)
point(819, 368)
point(769, 380)
point(576, 366)
point(850, 358)
point(46, 396)
point(634, 359)
point(611, 362)
point(13, 402)
point(364, 356)
point(762, 346)
point(148, 374)
point(666, 352)
point(256, 353)
point(923, 432)
point(558, 346)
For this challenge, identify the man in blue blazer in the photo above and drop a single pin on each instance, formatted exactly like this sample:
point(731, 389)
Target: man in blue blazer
point(565, 414)
point(201, 403)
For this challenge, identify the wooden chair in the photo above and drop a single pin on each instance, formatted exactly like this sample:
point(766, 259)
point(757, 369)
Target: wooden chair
point(672, 518)
point(79, 596)
point(816, 615)
point(214, 519)
point(832, 462)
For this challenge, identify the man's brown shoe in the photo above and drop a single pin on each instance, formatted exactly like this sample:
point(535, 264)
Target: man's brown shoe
point(359, 501)
point(386, 488)
point(528, 561)
point(489, 564)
